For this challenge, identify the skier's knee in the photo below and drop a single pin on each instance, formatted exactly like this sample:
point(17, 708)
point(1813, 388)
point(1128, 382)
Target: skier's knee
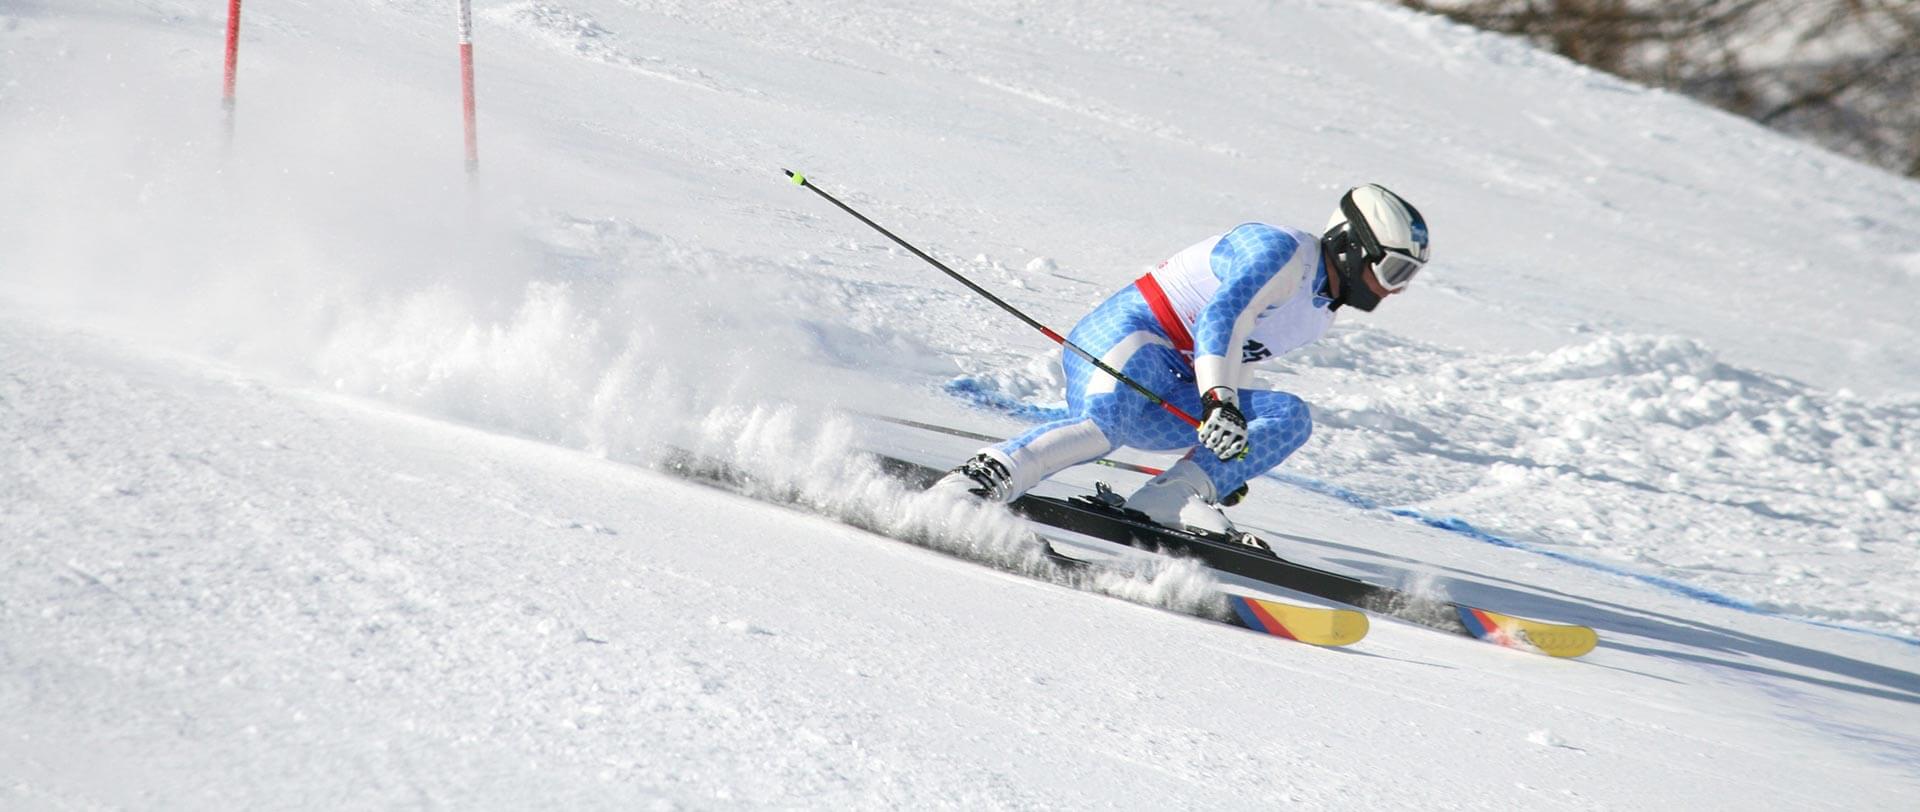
point(1285, 424)
point(1287, 409)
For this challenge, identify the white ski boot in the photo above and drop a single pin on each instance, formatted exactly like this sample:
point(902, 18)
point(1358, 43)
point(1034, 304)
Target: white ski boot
point(987, 475)
point(1182, 497)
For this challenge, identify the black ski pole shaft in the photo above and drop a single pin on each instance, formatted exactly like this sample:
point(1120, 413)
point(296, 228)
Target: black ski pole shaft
point(801, 180)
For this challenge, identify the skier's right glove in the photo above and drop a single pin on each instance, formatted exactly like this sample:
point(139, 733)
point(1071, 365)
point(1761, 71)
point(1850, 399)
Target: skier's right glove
point(1223, 429)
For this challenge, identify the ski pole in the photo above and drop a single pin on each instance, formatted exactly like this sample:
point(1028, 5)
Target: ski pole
point(801, 180)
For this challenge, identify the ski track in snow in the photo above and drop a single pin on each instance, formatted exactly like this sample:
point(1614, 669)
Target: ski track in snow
point(327, 477)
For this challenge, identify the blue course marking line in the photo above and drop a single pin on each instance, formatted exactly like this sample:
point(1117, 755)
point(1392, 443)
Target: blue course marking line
point(974, 392)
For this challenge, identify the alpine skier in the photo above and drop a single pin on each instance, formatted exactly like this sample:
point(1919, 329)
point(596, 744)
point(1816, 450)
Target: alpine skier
point(1186, 330)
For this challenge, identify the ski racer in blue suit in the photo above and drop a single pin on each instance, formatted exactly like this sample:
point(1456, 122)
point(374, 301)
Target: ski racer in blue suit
point(1186, 331)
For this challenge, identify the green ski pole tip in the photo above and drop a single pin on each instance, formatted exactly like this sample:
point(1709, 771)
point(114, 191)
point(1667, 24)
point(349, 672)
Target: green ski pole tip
point(798, 179)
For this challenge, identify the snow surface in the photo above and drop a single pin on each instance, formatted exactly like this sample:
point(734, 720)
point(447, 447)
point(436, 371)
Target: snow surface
point(329, 484)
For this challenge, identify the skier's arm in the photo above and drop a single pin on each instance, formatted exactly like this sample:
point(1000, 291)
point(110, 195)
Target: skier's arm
point(1250, 262)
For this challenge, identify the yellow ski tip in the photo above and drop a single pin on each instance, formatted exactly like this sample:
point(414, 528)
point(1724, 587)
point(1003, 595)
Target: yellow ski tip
point(1551, 639)
point(1315, 625)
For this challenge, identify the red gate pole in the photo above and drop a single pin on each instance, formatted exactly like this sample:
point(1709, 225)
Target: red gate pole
point(233, 64)
point(466, 84)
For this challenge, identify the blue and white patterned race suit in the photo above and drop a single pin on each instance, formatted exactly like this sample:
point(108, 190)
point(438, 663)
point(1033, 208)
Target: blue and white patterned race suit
point(1244, 296)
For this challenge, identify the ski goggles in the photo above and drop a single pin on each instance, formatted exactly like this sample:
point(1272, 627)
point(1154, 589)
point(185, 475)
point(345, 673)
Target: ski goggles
point(1394, 268)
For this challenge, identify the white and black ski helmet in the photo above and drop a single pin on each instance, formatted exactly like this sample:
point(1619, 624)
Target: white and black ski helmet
point(1376, 228)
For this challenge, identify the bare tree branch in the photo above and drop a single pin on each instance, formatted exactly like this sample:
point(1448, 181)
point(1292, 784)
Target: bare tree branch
point(1845, 73)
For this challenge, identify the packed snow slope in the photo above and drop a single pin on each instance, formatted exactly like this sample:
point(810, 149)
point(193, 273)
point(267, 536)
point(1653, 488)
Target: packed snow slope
point(330, 481)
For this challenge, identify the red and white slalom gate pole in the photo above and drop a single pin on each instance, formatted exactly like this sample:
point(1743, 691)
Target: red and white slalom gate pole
point(233, 63)
point(466, 84)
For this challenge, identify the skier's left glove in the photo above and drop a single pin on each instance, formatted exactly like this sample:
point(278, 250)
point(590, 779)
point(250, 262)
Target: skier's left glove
point(1223, 429)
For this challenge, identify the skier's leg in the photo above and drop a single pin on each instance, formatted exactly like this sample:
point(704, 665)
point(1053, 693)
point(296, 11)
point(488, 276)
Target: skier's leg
point(1278, 423)
point(1047, 450)
point(1188, 493)
point(1128, 417)
point(1099, 410)
point(1124, 334)
point(1112, 331)
point(1099, 405)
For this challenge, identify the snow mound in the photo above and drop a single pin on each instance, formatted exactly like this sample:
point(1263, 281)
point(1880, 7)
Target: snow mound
point(1648, 450)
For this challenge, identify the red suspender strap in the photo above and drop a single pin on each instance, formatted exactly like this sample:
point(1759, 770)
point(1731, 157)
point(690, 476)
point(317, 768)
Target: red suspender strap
point(1163, 312)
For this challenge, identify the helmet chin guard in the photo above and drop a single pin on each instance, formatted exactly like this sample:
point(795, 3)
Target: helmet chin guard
point(1347, 261)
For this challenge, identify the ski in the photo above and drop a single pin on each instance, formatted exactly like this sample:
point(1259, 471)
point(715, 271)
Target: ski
point(1250, 557)
point(1314, 625)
